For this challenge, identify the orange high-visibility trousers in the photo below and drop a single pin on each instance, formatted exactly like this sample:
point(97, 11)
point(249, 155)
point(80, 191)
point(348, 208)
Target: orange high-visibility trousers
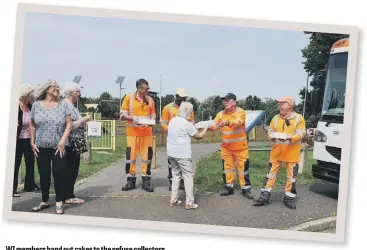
point(229, 158)
point(136, 145)
point(292, 172)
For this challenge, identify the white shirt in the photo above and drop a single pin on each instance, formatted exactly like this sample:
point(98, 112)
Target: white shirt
point(179, 136)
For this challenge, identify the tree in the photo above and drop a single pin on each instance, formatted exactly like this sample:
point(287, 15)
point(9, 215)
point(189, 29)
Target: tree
point(253, 103)
point(195, 103)
point(109, 106)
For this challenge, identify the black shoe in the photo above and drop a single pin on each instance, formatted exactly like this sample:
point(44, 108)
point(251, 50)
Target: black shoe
point(261, 201)
point(170, 185)
point(289, 202)
point(34, 189)
point(146, 184)
point(130, 184)
point(182, 184)
point(247, 194)
point(226, 191)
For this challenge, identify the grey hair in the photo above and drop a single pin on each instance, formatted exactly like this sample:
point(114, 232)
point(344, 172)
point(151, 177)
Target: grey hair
point(25, 90)
point(71, 87)
point(185, 110)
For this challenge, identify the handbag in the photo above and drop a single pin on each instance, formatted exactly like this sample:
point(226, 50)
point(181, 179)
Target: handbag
point(79, 145)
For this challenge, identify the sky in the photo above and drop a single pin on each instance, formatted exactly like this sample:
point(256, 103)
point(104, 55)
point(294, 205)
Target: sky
point(204, 59)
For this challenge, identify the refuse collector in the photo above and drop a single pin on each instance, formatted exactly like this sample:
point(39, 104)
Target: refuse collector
point(232, 125)
point(285, 150)
point(136, 106)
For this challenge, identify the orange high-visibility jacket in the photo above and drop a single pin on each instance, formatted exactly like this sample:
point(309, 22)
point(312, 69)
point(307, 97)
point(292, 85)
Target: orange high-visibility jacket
point(234, 136)
point(170, 111)
point(134, 106)
point(288, 151)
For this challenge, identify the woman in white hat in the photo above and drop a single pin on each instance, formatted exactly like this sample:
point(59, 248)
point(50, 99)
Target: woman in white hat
point(50, 129)
point(76, 140)
point(23, 146)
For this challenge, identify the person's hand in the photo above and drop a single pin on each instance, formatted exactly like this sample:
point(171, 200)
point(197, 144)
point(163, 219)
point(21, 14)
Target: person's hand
point(87, 118)
point(223, 123)
point(34, 149)
point(60, 148)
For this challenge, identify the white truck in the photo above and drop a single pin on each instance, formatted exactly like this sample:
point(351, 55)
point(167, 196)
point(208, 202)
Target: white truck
point(328, 138)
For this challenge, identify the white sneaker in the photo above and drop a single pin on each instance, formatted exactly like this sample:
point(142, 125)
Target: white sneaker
point(191, 206)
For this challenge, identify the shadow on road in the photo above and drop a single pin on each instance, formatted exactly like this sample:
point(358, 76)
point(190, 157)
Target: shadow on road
point(326, 189)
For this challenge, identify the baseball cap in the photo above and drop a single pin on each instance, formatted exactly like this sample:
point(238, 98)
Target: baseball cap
point(228, 97)
point(181, 92)
point(286, 99)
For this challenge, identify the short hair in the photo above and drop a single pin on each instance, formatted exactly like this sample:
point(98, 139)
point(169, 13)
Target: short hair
point(185, 110)
point(71, 87)
point(141, 82)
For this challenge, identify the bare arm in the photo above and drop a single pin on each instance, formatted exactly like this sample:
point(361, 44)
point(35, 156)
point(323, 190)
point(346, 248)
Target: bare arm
point(32, 130)
point(201, 134)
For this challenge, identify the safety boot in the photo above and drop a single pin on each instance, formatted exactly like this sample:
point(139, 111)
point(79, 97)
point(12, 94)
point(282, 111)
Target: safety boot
point(146, 184)
point(226, 191)
point(247, 193)
point(262, 200)
point(130, 184)
point(289, 202)
point(169, 185)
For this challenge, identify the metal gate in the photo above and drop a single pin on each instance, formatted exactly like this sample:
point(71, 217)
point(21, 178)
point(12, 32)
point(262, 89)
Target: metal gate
point(107, 141)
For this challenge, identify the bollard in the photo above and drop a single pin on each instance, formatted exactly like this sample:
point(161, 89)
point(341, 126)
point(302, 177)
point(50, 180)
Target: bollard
point(303, 159)
point(153, 164)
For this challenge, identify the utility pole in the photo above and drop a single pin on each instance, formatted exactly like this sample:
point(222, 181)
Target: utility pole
point(304, 106)
point(160, 97)
point(119, 81)
point(77, 79)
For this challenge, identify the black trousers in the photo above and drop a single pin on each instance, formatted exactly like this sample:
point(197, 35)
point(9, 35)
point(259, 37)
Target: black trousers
point(23, 147)
point(49, 162)
point(72, 170)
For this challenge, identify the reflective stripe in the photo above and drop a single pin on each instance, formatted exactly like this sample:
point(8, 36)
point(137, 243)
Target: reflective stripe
point(246, 187)
point(150, 102)
point(238, 131)
point(131, 104)
point(130, 175)
point(233, 140)
point(292, 180)
point(243, 173)
point(145, 175)
point(228, 171)
point(221, 115)
point(271, 176)
point(142, 117)
point(290, 194)
point(287, 143)
point(298, 118)
point(164, 122)
point(266, 190)
point(131, 125)
point(146, 161)
point(124, 112)
point(276, 118)
point(170, 111)
point(130, 161)
point(300, 131)
point(229, 185)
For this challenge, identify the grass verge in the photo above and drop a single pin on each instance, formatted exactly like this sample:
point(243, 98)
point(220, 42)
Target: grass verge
point(209, 172)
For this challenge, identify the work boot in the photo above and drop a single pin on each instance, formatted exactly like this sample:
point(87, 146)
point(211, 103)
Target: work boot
point(289, 202)
point(247, 193)
point(182, 184)
point(226, 191)
point(130, 184)
point(146, 184)
point(169, 185)
point(262, 200)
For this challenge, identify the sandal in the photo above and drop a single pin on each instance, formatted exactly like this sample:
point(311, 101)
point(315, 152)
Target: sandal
point(177, 202)
point(40, 207)
point(59, 210)
point(74, 201)
point(191, 206)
